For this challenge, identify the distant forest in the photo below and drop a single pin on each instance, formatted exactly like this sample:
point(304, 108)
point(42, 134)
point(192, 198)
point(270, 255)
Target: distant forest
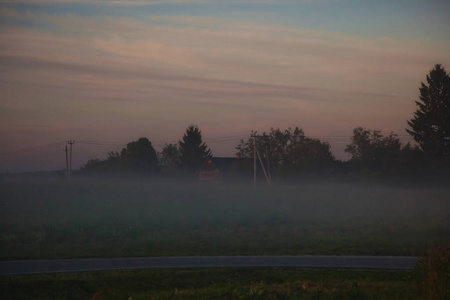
point(291, 155)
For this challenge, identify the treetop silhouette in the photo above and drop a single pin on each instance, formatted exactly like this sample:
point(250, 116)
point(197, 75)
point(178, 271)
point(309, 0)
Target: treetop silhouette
point(430, 126)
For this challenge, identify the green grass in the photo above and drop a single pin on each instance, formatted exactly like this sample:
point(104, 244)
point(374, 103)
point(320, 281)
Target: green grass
point(221, 283)
point(55, 219)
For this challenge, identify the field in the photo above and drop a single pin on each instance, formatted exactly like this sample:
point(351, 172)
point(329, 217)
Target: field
point(222, 283)
point(41, 219)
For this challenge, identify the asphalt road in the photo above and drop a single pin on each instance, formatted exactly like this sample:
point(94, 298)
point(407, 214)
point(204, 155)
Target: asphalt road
point(104, 264)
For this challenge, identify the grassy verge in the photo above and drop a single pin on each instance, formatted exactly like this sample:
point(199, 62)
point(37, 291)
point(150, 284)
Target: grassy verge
point(45, 220)
point(433, 274)
point(221, 283)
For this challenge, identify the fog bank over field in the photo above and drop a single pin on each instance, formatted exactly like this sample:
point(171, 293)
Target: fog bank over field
point(49, 218)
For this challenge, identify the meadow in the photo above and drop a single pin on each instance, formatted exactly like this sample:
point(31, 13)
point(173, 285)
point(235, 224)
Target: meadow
point(47, 219)
point(212, 283)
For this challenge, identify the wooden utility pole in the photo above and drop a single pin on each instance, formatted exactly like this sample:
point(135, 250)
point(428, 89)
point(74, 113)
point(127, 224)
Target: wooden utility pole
point(256, 153)
point(263, 168)
point(70, 142)
point(67, 163)
point(254, 158)
point(268, 163)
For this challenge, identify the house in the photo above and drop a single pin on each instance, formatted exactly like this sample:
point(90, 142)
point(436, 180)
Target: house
point(219, 169)
point(209, 172)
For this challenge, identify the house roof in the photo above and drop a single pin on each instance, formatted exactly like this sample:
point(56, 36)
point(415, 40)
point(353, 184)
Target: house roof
point(225, 164)
point(208, 165)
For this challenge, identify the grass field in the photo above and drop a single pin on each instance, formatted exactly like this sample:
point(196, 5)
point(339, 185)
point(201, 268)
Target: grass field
point(120, 218)
point(57, 219)
point(222, 283)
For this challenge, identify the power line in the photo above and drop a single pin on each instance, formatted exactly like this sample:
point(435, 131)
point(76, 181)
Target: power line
point(226, 137)
point(223, 140)
point(101, 143)
point(214, 140)
point(206, 140)
point(211, 140)
point(31, 148)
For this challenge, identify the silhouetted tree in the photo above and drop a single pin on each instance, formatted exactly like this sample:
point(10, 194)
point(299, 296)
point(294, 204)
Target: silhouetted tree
point(92, 166)
point(276, 142)
point(290, 152)
point(192, 150)
point(111, 164)
point(139, 157)
point(376, 155)
point(170, 159)
point(410, 163)
point(430, 126)
point(370, 146)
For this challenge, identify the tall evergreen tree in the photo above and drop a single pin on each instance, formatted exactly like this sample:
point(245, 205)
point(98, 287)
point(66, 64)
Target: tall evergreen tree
point(192, 149)
point(430, 126)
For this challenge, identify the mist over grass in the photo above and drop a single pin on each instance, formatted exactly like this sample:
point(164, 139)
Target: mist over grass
point(140, 217)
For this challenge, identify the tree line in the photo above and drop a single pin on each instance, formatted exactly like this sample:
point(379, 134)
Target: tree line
point(140, 157)
point(292, 155)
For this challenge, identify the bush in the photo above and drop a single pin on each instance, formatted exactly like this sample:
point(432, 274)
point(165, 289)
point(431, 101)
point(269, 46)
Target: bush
point(433, 273)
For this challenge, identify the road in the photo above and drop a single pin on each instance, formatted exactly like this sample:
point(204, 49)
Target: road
point(104, 264)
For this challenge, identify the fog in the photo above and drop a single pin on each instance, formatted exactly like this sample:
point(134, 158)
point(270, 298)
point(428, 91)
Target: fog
point(47, 216)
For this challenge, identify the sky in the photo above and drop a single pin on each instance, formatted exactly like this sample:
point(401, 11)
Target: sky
point(104, 73)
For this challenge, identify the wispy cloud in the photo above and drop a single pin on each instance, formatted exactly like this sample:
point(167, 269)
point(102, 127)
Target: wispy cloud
point(103, 2)
point(154, 2)
point(87, 75)
point(237, 51)
point(158, 2)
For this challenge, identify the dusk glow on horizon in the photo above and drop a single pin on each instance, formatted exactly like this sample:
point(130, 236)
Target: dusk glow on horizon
point(104, 73)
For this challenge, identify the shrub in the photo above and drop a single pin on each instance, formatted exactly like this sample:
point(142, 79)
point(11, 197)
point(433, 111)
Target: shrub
point(433, 273)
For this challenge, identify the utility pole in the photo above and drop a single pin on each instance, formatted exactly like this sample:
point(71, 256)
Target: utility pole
point(263, 168)
point(268, 163)
point(254, 158)
point(256, 153)
point(67, 163)
point(70, 142)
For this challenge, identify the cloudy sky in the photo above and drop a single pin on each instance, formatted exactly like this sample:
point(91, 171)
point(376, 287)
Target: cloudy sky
point(104, 73)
